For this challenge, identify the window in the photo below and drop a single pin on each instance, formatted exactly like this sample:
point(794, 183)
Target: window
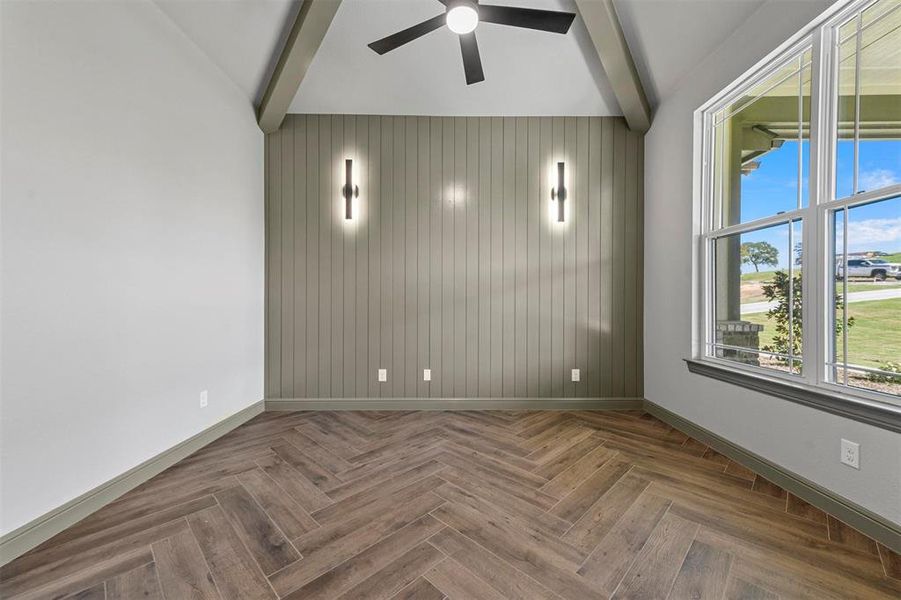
point(800, 234)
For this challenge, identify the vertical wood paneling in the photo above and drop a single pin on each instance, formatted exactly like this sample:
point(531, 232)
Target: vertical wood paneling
point(496, 258)
point(349, 297)
point(286, 150)
point(471, 254)
point(486, 280)
point(411, 272)
point(546, 258)
point(558, 277)
point(326, 266)
point(570, 261)
point(373, 224)
point(594, 359)
point(607, 258)
point(630, 300)
point(361, 252)
point(535, 223)
point(447, 293)
point(457, 288)
point(508, 266)
point(581, 223)
point(618, 257)
point(436, 205)
point(299, 240)
point(387, 235)
point(336, 273)
point(313, 387)
point(423, 254)
point(398, 268)
point(454, 261)
point(520, 259)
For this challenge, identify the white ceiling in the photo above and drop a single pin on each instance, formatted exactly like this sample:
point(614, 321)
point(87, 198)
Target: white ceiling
point(243, 37)
point(526, 72)
point(668, 38)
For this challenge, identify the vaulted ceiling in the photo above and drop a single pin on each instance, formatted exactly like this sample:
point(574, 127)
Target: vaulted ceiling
point(527, 72)
point(668, 38)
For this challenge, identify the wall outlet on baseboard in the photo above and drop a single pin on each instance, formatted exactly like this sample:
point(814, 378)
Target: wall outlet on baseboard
point(851, 454)
point(204, 399)
point(383, 374)
point(576, 375)
point(426, 374)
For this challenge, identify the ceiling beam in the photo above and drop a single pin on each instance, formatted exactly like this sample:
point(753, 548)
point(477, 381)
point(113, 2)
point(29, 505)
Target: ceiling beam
point(306, 35)
point(606, 34)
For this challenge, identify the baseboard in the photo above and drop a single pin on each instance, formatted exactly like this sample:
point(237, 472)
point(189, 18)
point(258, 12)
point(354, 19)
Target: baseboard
point(875, 526)
point(454, 403)
point(21, 540)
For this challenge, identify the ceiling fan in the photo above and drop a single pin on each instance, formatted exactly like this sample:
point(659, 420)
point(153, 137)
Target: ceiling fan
point(463, 16)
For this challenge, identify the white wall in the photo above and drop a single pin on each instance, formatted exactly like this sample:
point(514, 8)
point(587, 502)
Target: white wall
point(132, 246)
point(800, 439)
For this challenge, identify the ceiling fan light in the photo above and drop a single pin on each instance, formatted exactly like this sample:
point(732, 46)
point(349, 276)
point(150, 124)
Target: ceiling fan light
point(462, 18)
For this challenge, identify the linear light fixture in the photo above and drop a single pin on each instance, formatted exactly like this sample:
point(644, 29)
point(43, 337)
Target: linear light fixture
point(559, 193)
point(349, 191)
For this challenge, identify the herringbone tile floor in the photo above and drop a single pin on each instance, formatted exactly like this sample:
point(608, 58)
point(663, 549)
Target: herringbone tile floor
point(459, 505)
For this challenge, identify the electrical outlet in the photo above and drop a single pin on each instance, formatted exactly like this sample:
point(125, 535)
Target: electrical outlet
point(576, 375)
point(383, 374)
point(204, 399)
point(851, 454)
point(426, 374)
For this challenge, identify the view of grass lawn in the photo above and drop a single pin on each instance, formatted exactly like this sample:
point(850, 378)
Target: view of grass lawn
point(866, 286)
point(874, 338)
point(761, 276)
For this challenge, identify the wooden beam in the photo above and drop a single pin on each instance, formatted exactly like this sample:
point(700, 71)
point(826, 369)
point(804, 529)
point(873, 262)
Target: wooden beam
point(309, 29)
point(607, 36)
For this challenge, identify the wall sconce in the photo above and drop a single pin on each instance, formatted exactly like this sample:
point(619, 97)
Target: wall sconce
point(349, 191)
point(559, 193)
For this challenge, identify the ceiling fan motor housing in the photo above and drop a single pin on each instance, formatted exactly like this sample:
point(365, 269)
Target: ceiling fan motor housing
point(462, 16)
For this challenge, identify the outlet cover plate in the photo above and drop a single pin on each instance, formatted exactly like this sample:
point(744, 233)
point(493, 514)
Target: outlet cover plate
point(383, 374)
point(576, 375)
point(204, 399)
point(850, 454)
point(426, 374)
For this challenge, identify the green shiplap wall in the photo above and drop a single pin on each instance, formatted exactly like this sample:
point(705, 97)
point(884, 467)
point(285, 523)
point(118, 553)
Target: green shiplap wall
point(453, 261)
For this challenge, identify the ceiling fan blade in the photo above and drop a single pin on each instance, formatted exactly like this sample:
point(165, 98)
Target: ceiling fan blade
point(472, 62)
point(387, 44)
point(530, 18)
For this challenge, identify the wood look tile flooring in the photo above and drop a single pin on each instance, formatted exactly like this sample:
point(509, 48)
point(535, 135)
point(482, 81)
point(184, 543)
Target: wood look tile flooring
point(459, 505)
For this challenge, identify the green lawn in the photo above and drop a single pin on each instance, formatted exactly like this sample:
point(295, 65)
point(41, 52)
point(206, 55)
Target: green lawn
point(856, 286)
point(874, 338)
point(762, 276)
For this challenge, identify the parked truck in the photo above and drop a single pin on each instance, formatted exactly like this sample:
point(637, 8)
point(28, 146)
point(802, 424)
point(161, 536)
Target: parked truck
point(871, 268)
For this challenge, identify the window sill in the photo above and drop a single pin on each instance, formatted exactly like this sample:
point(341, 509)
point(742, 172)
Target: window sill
point(871, 412)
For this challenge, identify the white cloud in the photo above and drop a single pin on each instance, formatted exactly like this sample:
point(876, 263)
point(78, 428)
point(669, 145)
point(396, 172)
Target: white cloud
point(872, 234)
point(876, 179)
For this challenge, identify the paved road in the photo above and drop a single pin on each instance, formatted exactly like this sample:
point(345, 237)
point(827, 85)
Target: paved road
point(887, 294)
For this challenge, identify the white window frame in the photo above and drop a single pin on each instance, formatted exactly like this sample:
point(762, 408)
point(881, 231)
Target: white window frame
point(815, 216)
